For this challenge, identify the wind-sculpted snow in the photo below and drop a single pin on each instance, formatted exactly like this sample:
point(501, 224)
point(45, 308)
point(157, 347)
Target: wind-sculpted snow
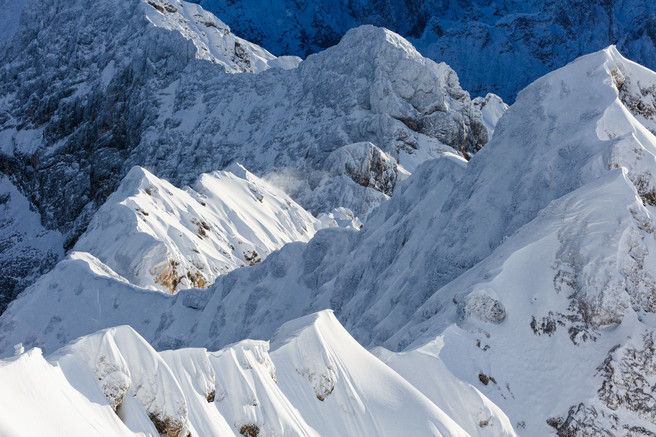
point(88, 90)
point(317, 380)
point(161, 237)
point(316, 359)
point(528, 264)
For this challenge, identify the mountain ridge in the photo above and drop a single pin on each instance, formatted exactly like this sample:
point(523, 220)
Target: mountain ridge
point(542, 239)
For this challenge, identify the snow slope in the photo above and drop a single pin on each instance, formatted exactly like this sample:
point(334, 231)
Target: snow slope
point(316, 381)
point(38, 399)
point(526, 266)
point(161, 237)
point(316, 359)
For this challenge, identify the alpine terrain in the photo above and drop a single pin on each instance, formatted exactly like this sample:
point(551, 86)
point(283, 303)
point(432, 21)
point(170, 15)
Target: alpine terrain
point(494, 46)
point(201, 238)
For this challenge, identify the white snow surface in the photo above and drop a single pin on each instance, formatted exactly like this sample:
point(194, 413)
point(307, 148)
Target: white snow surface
point(492, 108)
point(154, 73)
point(161, 237)
point(317, 380)
point(526, 267)
point(37, 398)
point(316, 359)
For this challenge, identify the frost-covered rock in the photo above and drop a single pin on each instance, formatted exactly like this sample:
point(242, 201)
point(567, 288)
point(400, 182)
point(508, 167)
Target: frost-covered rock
point(480, 305)
point(366, 165)
point(340, 217)
point(213, 40)
point(493, 46)
point(529, 263)
point(88, 90)
point(492, 108)
point(27, 250)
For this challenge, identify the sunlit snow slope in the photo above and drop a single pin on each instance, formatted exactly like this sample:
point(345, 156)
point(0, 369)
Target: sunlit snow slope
point(316, 380)
point(158, 236)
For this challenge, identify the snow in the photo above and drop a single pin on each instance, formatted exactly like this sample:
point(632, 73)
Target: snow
point(498, 47)
point(161, 237)
point(424, 369)
point(521, 281)
point(512, 276)
point(38, 399)
point(341, 389)
point(145, 83)
point(174, 111)
point(229, 392)
point(9, 20)
point(27, 249)
point(212, 38)
point(492, 108)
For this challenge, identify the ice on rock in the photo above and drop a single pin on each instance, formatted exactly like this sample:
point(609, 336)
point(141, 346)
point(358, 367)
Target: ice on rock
point(447, 217)
point(27, 249)
point(491, 108)
point(493, 46)
point(366, 165)
point(524, 267)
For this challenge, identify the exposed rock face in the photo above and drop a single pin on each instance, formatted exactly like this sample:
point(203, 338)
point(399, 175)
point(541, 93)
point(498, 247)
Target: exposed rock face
point(366, 165)
point(493, 46)
point(27, 250)
point(482, 306)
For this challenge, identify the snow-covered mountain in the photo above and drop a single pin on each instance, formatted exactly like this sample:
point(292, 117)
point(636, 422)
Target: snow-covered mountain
point(88, 90)
point(158, 236)
point(498, 46)
point(313, 379)
point(527, 271)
